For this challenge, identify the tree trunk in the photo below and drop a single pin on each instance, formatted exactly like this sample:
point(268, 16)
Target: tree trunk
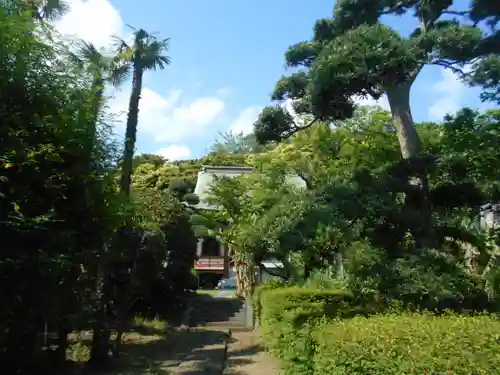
point(399, 101)
point(131, 132)
point(245, 279)
point(100, 339)
point(98, 89)
point(409, 141)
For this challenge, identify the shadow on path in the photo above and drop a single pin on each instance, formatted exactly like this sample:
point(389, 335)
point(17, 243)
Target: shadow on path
point(162, 355)
point(203, 346)
point(210, 310)
point(247, 356)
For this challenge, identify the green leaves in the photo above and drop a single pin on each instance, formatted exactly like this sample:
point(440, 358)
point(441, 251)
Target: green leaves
point(302, 54)
point(486, 73)
point(363, 59)
point(273, 125)
point(410, 344)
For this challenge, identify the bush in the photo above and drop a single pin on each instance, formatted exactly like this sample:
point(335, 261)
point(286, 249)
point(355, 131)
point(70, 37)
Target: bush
point(304, 303)
point(273, 283)
point(408, 344)
point(288, 317)
point(429, 280)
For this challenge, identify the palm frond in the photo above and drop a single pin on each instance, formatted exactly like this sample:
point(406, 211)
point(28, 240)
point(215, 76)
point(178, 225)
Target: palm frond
point(119, 44)
point(131, 27)
point(154, 55)
point(145, 49)
point(89, 53)
point(120, 71)
point(51, 10)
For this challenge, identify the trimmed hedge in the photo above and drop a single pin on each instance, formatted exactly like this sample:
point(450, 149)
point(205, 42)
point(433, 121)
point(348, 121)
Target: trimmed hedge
point(273, 283)
point(288, 316)
point(313, 332)
point(409, 344)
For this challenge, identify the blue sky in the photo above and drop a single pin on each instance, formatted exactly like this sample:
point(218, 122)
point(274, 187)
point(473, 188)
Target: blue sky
point(226, 57)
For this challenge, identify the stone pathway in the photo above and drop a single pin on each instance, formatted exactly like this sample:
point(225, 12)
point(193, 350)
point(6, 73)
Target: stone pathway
point(246, 356)
point(216, 343)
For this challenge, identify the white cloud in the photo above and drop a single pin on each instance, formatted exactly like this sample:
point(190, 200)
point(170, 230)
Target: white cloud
point(244, 121)
point(175, 152)
point(169, 119)
point(449, 91)
point(369, 101)
point(92, 20)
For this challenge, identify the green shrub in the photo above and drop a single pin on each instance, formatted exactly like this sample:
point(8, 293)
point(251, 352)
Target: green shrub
point(273, 283)
point(288, 317)
point(304, 303)
point(408, 344)
point(429, 280)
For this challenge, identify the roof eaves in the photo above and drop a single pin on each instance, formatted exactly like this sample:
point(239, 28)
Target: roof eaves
point(224, 168)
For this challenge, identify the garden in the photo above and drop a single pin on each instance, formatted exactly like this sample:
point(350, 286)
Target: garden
point(388, 237)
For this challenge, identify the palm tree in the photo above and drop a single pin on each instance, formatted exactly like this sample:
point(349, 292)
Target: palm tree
point(46, 10)
point(103, 68)
point(145, 53)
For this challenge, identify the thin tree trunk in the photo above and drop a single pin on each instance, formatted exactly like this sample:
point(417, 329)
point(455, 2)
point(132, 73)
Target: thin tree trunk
point(399, 101)
point(100, 338)
point(131, 132)
point(98, 89)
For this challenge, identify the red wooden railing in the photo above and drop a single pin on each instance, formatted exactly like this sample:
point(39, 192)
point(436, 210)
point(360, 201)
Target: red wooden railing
point(210, 263)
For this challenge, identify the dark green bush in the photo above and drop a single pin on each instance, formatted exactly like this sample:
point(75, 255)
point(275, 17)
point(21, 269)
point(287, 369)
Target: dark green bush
point(429, 280)
point(408, 344)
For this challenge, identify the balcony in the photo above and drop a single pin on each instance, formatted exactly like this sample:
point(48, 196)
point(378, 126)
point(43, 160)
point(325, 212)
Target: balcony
point(209, 263)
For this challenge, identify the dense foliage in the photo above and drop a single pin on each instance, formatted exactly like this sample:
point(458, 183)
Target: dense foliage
point(304, 328)
point(353, 53)
point(365, 209)
point(77, 253)
point(411, 344)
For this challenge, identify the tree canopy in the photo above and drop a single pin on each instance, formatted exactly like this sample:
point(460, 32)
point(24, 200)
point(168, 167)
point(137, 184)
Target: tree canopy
point(354, 53)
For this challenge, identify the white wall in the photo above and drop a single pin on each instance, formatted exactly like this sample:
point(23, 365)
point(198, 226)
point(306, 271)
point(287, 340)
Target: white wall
point(264, 275)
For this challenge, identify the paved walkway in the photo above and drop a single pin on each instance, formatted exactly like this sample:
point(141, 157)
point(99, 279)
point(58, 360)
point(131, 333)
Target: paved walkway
point(246, 356)
point(216, 343)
